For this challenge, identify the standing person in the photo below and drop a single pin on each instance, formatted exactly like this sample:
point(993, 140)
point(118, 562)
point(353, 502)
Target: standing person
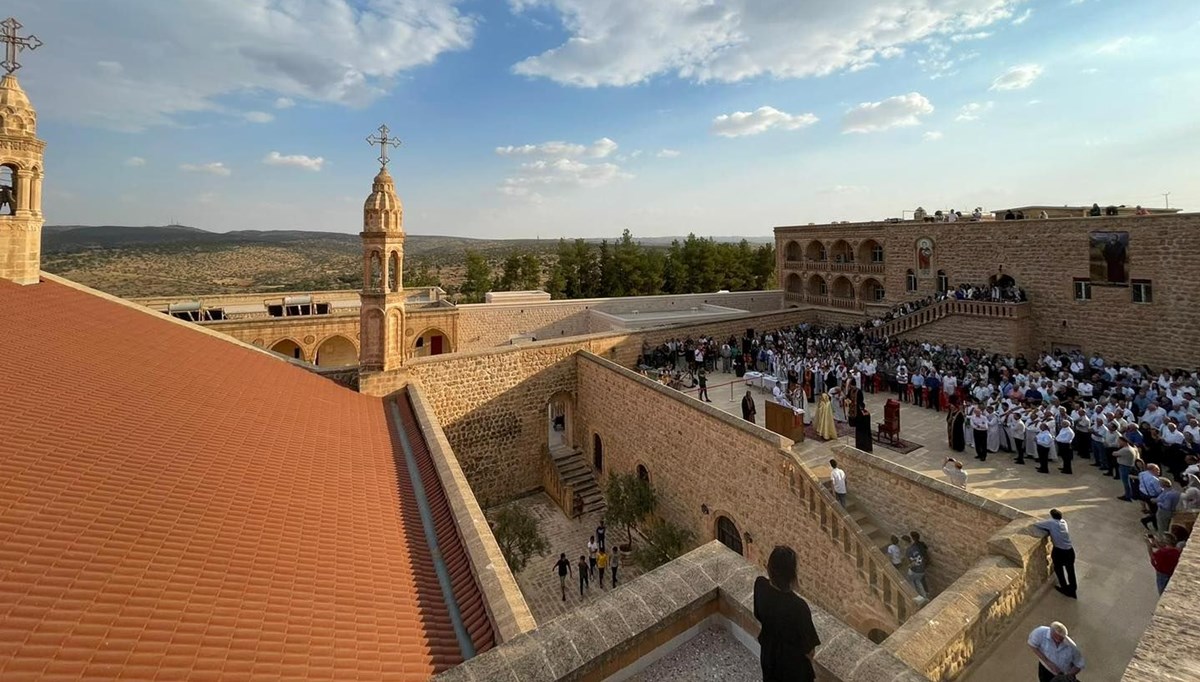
point(837, 479)
point(954, 472)
point(1065, 441)
point(564, 569)
point(1150, 486)
point(593, 549)
point(1062, 554)
point(1016, 432)
point(601, 531)
point(1165, 504)
point(788, 638)
point(1044, 440)
point(954, 428)
point(748, 409)
point(894, 554)
point(703, 393)
point(583, 574)
point(1125, 455)
point(1164, 556)
point(918, 562)
point(614, 562)
point(1057, 653)
point(979, 431)
point(602, 566)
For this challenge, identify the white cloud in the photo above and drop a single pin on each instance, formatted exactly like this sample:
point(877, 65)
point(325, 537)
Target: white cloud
point(214, 168)
point(284, 103)
point(258, 117)
point(932, 136)
point(624, 42)
point(338, 51)
point(1033, 102)
point(1017, 77)
point(311, 163)
point(893, 112)
point(762, 119)
point(843, 189)
point(668, 154)
point(597, 150)
point(1114, 46)
point(971, 111)
point(964, 37)
point(1023, 18)
point(135, 161)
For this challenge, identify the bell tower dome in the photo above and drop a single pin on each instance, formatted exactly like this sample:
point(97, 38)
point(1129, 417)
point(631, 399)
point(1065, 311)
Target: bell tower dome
point(382, 321)
point(21, 165)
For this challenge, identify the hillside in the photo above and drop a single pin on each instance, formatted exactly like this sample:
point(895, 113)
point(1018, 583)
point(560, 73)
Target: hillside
point(174, 260)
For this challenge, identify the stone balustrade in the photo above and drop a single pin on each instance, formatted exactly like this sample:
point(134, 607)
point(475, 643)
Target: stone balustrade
point(950, 306)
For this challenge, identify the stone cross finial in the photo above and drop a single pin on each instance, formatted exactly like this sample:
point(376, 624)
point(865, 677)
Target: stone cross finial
point(384, 142)
point(14, 43)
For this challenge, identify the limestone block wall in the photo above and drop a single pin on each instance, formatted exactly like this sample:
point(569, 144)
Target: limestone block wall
point(955, 524)
point(996, 335)
point(1043, 256)
point(1169, 650)
point(700, 458)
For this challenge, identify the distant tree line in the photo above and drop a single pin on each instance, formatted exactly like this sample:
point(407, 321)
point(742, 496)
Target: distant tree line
point(624, 268)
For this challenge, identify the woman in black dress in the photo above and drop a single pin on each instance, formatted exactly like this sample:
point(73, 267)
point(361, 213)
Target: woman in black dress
point(955, 436)
point(788, 637)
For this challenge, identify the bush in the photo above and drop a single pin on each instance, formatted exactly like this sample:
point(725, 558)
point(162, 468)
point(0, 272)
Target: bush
point(519, 537)
point(665, 542)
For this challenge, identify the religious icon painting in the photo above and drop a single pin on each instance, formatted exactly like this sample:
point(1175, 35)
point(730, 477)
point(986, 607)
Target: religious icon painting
point(1108, 258)
point(924, 255)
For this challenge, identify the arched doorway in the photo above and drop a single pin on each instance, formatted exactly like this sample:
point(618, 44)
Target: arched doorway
point(1003, 281)
point(289, 348)
point(559, 416)
point(793, 251)
point(597, 453)
point(817, 286)
point(727, 533)
point(943, 281)
point(432, 341)
point(643, 474)
point(841, 252)
point(336, 351)
point(910, 280)
point(843, 288)
point(8, 188)
point(794, 284)
point(815, 251)
point(872, 290)
point(870, 251)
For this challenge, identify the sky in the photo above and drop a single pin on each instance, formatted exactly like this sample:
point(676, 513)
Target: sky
point(581, 118)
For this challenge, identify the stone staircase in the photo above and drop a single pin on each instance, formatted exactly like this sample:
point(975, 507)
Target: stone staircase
point(948, 307)
point(573, 470)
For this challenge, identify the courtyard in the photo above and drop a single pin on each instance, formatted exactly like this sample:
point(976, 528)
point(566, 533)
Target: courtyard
point(1112, 567)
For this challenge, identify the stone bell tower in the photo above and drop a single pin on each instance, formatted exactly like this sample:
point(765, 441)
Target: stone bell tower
point(381, 322)
point(20, 168)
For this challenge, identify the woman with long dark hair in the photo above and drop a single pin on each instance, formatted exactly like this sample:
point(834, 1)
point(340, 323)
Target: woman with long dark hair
point(788, 637)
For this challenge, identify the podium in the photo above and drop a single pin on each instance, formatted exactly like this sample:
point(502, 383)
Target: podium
point(784, 421)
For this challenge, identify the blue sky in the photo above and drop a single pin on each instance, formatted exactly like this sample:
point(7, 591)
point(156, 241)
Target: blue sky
point(583, 117)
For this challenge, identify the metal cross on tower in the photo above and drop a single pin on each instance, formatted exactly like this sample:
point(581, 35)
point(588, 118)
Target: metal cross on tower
point(14, 43)
point(384, 142)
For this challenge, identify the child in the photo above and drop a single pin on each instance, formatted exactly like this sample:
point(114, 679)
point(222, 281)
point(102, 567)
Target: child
point(893, 551)
point(602, 566)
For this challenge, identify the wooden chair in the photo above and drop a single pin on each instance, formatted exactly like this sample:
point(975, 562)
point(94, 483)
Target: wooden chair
point(889, 428)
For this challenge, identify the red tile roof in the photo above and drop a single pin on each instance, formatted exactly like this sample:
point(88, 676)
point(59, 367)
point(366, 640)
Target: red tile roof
point(175, 506)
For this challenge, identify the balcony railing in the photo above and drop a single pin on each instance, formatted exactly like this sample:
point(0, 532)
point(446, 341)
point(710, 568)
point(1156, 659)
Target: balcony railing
point(949, 307)
point(823, 300)
point(834, 266)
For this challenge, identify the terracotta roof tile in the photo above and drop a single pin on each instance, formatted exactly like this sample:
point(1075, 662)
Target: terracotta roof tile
point(176, 506)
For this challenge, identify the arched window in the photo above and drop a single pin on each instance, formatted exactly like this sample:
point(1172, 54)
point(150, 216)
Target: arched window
point(643, 474)
point(943, 282)
point(910, 281)
point(375, 272)
point(597, 453)
point(727, 533)
point(8, 189)
point(394, 272)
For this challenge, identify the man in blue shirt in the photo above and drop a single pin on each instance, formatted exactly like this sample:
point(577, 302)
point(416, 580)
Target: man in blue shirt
point(1056, 652)
point(1062, 554)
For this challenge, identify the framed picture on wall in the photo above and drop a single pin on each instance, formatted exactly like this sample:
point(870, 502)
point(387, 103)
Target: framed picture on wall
point(1108, 258)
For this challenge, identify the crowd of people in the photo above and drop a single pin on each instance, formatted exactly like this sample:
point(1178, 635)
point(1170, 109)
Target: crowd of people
point(994, 293)
point(594, 566)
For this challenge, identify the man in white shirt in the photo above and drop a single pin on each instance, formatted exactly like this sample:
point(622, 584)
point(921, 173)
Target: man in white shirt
point(1155, 415)
point(954, 472)
point(979, 431)
point(837, 478)
point(1057, 653)
point(1016, 432)
point(1044, 441)
point(1064, 440)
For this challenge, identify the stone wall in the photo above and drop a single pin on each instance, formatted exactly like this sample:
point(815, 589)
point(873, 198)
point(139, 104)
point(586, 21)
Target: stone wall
point(996, 335)
point(955, 524)
point(1169, 650)
point(700, 457)
point(636, 622)
point(1043, 256)
point(487, 325)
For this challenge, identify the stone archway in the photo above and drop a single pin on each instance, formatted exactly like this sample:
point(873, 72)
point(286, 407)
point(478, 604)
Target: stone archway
point(643, 473)
point(289, 348)
point(336, 351)
point(841, 252)
point(432, 341)
point(815, 251)
point(792, 251)
point(870, 251)
point(817, 286)
point(794, 284)
point(871, 290)
point(727, 532)
point(842, 288)
point(560, 419)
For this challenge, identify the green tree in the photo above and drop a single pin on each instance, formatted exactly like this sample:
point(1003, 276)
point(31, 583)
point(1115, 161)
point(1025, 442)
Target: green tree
point(665, 542)
point(611, 283)
point(556, 282)
point(417, 274)
point(630, 500)
point(478, 280)
point(519, 537)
